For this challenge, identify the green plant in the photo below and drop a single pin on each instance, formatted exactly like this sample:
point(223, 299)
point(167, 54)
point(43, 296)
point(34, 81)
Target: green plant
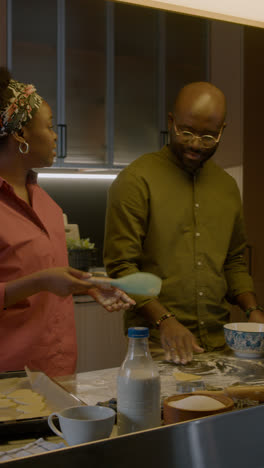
point(83, 244)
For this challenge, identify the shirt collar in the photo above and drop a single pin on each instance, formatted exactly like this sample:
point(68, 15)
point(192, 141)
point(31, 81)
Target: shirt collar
point(32, 178)
point(166, 151)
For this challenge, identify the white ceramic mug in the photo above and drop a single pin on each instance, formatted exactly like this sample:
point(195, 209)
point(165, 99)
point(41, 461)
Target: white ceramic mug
point(81, 424)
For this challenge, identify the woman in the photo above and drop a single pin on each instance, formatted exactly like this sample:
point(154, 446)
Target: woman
point(39, 330)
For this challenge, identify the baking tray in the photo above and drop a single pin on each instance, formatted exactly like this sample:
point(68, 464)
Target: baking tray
point(36, 427)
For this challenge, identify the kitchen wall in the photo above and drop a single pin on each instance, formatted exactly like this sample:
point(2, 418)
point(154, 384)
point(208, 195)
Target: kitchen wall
point(226, 72)
point(237, 173)
point(84, 202)
point(253, 152)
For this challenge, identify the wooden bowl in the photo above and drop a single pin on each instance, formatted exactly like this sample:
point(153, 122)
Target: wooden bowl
point(172, 415)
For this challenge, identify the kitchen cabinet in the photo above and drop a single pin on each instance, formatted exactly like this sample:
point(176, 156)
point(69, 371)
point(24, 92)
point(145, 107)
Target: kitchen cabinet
point(85, 80)
point(156, 53)
point(100, 336)
point(3, 33)
point(32, 54)
point(117, 67)
point(136, 83)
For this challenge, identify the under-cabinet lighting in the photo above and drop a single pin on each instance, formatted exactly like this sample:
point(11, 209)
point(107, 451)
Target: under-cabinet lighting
point(44, 175)
point(237, 11)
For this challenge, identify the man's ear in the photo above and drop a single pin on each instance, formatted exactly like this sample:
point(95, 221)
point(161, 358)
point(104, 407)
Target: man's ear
point(224, 126)
point(170, 120)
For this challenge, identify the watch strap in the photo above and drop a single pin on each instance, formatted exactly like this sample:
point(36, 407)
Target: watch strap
point(250, 309)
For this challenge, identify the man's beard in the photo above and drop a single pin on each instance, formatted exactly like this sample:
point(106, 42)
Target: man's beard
point(191, 160)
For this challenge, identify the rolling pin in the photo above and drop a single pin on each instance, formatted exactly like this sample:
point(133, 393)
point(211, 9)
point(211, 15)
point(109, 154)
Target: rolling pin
point(250, 392)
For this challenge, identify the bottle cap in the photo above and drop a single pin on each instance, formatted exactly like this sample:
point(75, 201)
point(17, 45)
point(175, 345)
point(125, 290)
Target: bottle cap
point(138, 332)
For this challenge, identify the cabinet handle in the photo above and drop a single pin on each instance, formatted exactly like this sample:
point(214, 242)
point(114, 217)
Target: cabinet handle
point(62, 141)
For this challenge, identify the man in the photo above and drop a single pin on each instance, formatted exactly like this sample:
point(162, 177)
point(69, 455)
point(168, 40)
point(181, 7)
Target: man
point(176, 214)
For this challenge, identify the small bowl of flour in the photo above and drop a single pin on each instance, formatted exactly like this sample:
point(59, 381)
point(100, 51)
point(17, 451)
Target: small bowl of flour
point(189, 406)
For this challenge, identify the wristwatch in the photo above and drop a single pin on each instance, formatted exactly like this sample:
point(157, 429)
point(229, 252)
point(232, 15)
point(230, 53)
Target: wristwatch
point(250, 309)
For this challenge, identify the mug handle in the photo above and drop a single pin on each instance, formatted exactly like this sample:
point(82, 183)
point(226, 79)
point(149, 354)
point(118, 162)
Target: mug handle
point(52, 426)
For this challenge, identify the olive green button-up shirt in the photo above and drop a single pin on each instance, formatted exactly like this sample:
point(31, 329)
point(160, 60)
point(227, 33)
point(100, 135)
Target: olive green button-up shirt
point(188, 230)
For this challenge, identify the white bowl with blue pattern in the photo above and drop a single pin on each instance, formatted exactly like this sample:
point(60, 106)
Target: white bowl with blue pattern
point(246, 339)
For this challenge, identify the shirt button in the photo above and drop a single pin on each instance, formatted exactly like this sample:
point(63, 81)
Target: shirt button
point(199, 263)
point(200, 293)
point(202, 322)
point(197, 234)
point(197, 205)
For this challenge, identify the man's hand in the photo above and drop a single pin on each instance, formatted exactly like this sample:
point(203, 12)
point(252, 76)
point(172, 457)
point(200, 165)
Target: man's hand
point(178, 342)
point(256, 316)
point(112, 299)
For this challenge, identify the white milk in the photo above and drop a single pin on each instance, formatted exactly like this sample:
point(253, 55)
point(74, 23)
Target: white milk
point(138, 402)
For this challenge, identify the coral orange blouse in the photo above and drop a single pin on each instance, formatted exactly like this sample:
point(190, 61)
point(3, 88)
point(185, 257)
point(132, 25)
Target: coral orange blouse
point(40, 331)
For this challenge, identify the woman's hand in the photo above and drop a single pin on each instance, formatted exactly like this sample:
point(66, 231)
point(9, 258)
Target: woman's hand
point(64, 281)
point(61, 281)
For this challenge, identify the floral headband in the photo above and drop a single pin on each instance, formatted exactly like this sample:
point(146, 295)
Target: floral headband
point(20, 108)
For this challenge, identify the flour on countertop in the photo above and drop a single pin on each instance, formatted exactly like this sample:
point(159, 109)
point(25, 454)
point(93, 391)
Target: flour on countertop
point(220, 370)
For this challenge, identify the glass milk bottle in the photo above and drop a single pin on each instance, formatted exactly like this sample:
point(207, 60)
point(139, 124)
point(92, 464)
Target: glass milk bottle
point(138, 386)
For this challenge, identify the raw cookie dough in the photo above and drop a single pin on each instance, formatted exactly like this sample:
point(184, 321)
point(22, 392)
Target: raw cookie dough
point(6, 403)
point(4, 418)
point(23, 403)
point(32, 407)
point(33, 412)
point(25, 396)
point(8, 384)
point(184, 376)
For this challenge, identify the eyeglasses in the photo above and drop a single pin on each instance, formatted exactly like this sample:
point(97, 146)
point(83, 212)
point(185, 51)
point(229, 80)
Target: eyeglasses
point(206, 141)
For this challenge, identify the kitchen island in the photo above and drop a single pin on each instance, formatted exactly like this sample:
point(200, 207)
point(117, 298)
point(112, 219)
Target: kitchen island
point(218, 370)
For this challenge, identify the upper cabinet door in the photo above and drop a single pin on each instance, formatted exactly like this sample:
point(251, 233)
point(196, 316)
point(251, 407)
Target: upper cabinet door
point(110, 72)
point(186, 53)
point(136, 128)
point(85, 80)
point(34, 46)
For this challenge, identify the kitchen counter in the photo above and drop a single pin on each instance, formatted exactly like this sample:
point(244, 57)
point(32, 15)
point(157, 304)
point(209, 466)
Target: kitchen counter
point(217, 369)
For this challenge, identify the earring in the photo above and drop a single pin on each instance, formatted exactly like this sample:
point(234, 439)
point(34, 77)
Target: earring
point(23, 147)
